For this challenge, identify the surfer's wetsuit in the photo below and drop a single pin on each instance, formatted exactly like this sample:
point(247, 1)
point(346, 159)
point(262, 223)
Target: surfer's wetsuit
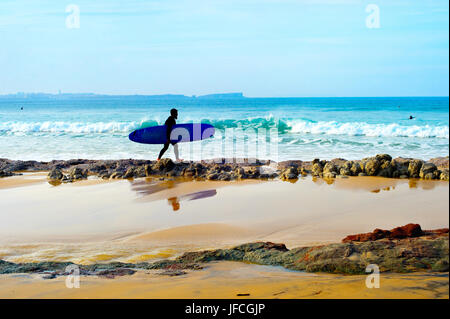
point(170, 122)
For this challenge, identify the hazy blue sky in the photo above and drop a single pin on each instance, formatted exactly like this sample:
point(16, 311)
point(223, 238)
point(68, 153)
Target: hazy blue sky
point(259, 47)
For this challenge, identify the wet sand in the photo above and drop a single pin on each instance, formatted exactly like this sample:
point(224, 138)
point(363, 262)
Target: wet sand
point(143, 219)
point(227, 280)
point(147, 219)
point(23, 180)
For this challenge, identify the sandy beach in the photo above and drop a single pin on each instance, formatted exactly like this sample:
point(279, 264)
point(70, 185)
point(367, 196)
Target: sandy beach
point(148, 219)
point(230, 280)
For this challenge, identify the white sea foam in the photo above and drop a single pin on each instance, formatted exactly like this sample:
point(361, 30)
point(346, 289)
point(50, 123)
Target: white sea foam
point(366, 129)
point(285, 126)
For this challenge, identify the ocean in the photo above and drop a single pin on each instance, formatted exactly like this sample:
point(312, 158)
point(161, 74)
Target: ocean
point(97, 127)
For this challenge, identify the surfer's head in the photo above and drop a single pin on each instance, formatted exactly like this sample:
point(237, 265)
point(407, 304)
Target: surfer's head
point(174, 113)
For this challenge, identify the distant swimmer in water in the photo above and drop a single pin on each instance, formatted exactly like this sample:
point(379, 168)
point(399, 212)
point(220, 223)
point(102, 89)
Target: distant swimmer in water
point(411, 117)
point(21, 108)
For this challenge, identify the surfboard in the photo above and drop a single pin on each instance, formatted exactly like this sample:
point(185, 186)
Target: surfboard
point(180, 133)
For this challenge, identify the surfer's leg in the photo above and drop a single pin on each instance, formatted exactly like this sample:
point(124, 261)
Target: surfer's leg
point(164, 149)
point(175, 150)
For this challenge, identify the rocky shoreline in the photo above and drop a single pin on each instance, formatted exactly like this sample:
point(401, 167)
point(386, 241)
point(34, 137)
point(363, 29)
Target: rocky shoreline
point(400, 250)
point(232, 169)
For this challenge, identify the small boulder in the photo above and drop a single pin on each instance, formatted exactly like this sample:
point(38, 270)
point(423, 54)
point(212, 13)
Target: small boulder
point(148, 170)
point(212, 176)
point(400, 165)
point(163, 165)
point(55, 175)
point(77, 173)
point(6, 173)
point(383, 157)
point(371, 166)
point(427, 171)
point(129, 173)
point(317, 170)
point(356, 168)
point(414, 168)
point(330, 170)
point(346, 169)
point(386, 169)
point(444, 175)
point(116, 175)
point(290, 173)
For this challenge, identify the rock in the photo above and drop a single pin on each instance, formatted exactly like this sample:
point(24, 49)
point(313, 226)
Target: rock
point(356, 168)
point(129, 173)
point(411, 250)
point(444, 175)
point(371, 166)
point(148, 170)
point(414, 168)
point(104, 174)
point(172, 272)
point(116, 175)
point(55, 175)
point(286, 164)
point(290, 173)
point(427, 171)
point(386, 169)
point(140, 171)
point(383, 157)
point(212, 176)
point(400, 167)
point(6, 173)
point(111, 273)
point(440, 162)
point(329, 170)
point(224, 176)
point(346, 169)
point(329, 175)
point(77, 173)
point(49, 276)
point(163, 165)
point(252, 172)
point(407, 231)
point(240, 173)
point(97, 167)
point(317, 170)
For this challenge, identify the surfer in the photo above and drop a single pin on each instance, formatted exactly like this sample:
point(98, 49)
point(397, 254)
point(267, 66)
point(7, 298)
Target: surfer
point(411, 117)
point(170, 122)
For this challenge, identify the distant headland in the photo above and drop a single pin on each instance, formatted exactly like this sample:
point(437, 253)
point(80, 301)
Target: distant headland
point(24, 95)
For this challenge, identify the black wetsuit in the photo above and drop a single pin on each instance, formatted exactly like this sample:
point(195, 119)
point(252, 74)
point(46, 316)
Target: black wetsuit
point(170, 122)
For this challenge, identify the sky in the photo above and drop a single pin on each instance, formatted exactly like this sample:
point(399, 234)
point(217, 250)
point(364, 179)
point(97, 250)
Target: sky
point(263, 48)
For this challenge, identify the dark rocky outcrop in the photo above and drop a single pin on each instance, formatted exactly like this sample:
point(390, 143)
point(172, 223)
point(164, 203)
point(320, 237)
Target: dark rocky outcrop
point(226, 169)
point(402, 249)
point(407, 231)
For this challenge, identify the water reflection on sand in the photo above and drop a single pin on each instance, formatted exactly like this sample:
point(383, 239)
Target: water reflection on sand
point(149, 186)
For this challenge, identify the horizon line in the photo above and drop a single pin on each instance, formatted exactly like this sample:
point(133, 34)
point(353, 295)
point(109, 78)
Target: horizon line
point(231, 95)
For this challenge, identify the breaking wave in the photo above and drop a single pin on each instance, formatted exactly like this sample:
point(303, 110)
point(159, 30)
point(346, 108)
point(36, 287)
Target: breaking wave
point(300, 126)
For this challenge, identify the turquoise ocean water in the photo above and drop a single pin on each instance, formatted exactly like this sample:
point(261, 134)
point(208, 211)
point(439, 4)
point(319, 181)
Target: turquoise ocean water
point(97, 127)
